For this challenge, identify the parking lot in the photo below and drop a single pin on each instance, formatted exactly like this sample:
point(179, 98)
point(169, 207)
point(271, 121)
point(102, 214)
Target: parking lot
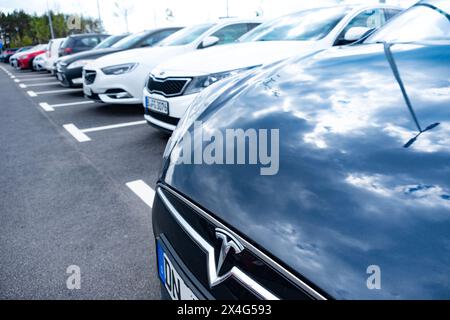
point(77, 188)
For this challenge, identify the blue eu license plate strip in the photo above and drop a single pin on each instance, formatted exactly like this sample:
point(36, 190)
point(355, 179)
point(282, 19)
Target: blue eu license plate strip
point(161, 272)
point(175, 285)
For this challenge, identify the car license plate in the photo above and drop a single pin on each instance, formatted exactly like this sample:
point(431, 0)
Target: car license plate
point(157, 105)
point(87, 91)
point(174, 284)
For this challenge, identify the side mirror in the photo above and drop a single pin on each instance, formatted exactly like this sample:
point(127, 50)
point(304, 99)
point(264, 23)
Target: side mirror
point(209, 42)
point(355, 33)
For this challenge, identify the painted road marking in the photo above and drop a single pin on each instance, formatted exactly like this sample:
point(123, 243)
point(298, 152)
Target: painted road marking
point(16, 80)
point(51, 107)
point(80, 134)
point(28, 76)
point(53, 91)
point(143, 191)
point(76, 133)
point(35, 79)
point(23, 86)
point(42, 84)
point(46, 107)
point(114, 126)
point(32, 94)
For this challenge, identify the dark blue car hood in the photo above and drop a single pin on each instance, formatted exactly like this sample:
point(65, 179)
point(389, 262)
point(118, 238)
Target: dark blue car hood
point(348, 195)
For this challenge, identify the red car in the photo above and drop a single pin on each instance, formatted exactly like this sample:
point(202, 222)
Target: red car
point(25, 61)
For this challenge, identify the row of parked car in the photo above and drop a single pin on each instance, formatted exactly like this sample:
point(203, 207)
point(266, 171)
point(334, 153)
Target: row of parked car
point(358, 207)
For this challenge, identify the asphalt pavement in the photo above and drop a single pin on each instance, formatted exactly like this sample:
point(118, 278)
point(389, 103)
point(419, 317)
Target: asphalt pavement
point(76, 186)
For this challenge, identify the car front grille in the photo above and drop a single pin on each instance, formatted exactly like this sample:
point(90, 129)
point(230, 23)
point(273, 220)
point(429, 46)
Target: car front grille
point(89, 76)
point(170, 87)
point(191, 233)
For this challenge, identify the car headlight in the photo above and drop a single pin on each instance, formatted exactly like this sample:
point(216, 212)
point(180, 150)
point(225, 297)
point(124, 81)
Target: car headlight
point(120, 69)
point(78, 64)
point(199, 83)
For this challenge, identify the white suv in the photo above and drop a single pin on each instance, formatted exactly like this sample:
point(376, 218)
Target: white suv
point(120, 78)
point(174, 84)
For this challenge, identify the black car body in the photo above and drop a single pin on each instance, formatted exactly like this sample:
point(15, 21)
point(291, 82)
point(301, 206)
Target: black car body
point(65, 74)
point(7, 53)
point(81, 42)
point(363, 181)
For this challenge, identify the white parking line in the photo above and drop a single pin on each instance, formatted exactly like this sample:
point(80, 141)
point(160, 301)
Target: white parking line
point(16, 80)
point(80, 134)
point(28, 76)
point(23, 86)
point(143, 191)
point(114, 126)
point(42, 84)
point(35, 94)
point(35, 79)
point(51, 107)
point(46, 107)
point(76, 133)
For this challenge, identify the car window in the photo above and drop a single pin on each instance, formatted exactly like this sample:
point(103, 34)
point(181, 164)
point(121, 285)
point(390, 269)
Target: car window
point(187, 35)
point(67, 43)
point(157, 37)
point(371, 19)
point(308, 25)
point(390, 13)
point(88, 42)
point(109, 41)
point(231, 33)
point(421, 22)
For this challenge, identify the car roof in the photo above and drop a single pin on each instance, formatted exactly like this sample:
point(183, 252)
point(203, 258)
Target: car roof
point(350, 7)
point(232, 20)
point(162, 29)
point(87, 35)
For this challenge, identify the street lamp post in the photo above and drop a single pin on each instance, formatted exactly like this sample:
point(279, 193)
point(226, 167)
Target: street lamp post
point(50, 22)
point(99, 16)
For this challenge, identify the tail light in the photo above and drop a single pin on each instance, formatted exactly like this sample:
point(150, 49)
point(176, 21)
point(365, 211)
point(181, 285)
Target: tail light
point(68, 50)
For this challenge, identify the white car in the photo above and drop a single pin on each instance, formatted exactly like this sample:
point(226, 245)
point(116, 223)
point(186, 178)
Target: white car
point(174, 84)
point(120, 77)
point(40, 62)
point(52, 53)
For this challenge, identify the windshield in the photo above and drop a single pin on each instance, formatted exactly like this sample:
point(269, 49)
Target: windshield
point(186, 35)
point(131, 41)
point(301, 26)
point(108, 42)
point(421, 22)
point(39, 47)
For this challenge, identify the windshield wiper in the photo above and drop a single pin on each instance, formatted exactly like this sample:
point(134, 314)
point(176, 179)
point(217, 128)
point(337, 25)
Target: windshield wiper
point(394, 68)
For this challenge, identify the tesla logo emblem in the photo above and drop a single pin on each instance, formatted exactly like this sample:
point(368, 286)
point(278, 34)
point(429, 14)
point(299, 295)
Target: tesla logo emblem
point(228, 242)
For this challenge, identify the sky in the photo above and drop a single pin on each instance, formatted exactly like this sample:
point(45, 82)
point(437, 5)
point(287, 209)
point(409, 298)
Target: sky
point(147, 14)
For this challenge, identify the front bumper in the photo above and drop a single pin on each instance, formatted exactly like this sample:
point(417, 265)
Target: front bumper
point(70, 77)
point(118, 89)
point(23, 64)
point(189, 234)
point(177, 108)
